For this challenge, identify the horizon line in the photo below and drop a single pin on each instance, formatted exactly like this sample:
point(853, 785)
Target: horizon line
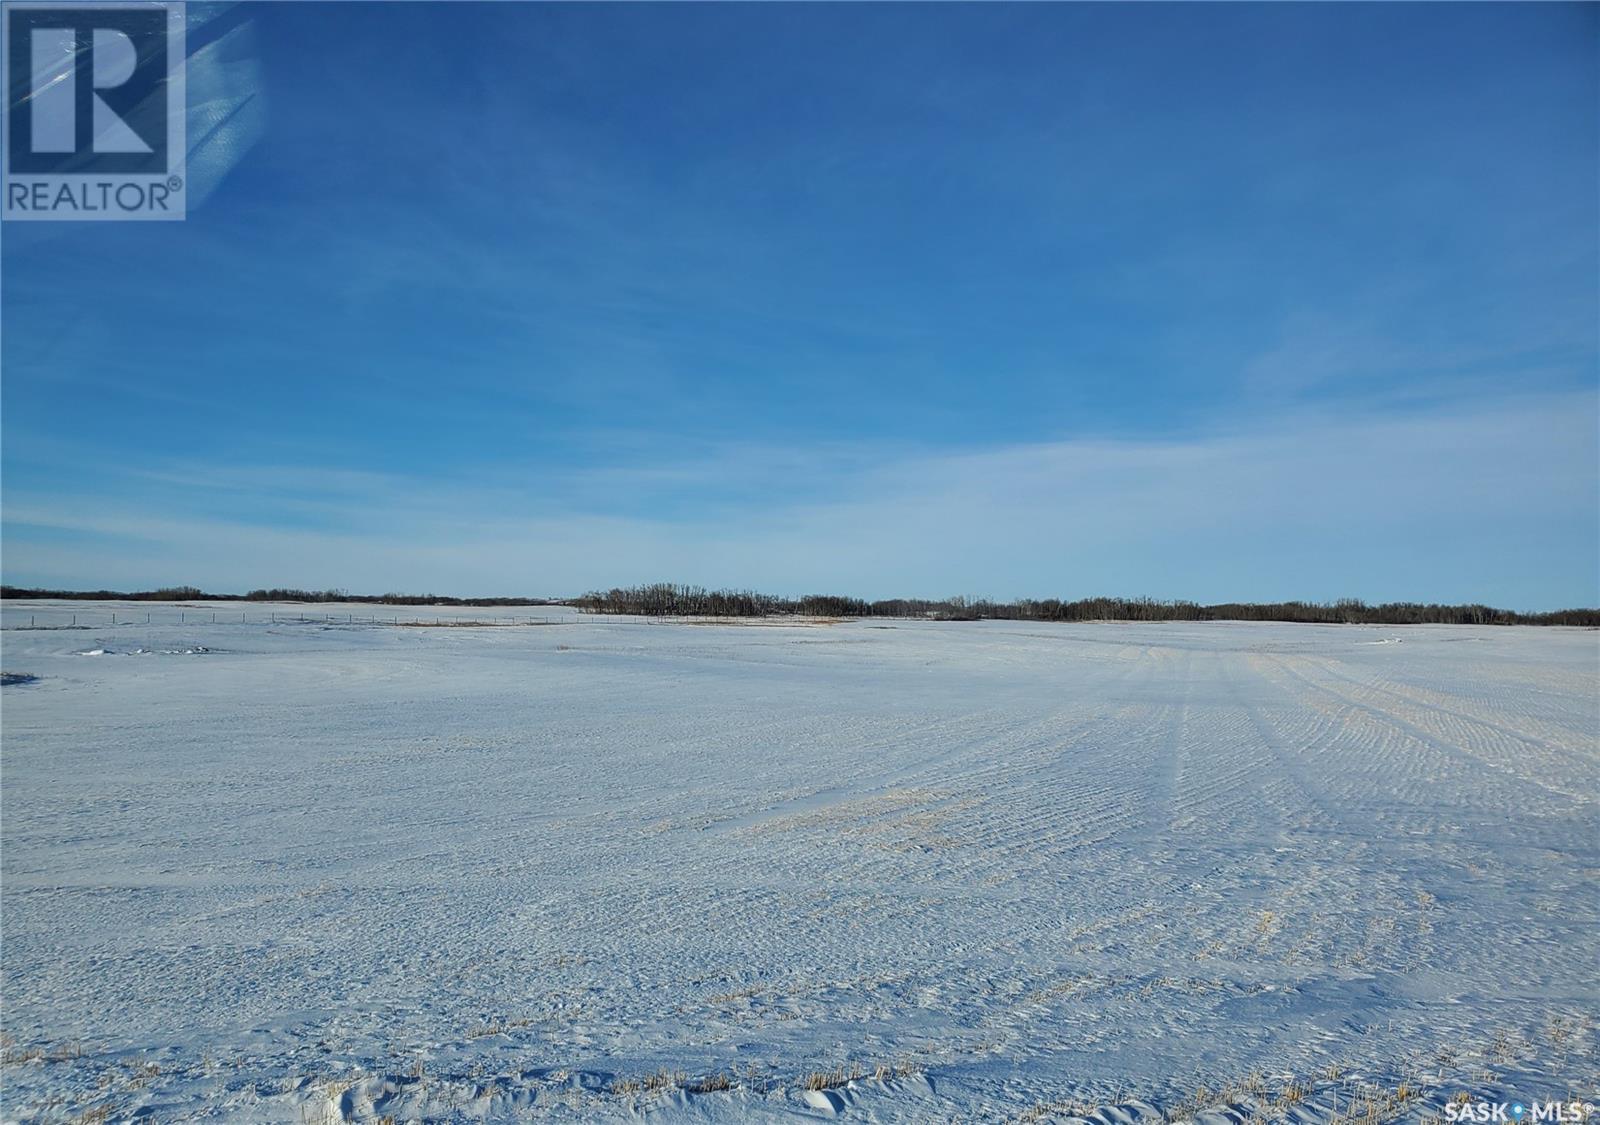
point(333, 595)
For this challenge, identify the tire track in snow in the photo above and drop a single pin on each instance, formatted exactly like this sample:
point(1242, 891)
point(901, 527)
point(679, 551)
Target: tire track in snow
point(1435, 742)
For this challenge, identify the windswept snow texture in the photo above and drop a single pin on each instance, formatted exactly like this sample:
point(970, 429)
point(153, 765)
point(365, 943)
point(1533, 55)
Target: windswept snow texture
point(313, 870)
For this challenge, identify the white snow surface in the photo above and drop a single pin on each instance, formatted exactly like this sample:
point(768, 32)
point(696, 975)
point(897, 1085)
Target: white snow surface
point(342, 869)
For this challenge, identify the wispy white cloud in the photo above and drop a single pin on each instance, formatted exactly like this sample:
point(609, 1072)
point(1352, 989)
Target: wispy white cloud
point(1495, 504)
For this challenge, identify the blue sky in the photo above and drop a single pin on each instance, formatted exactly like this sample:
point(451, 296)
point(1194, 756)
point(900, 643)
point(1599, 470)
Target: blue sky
point(1220, 302)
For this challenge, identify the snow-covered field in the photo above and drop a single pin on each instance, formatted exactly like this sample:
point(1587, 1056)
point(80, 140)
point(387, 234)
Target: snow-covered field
point(305, 871)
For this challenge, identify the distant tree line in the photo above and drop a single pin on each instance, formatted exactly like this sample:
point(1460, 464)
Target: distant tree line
point(664, 599)
point(165, 594)
point(278, 594)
